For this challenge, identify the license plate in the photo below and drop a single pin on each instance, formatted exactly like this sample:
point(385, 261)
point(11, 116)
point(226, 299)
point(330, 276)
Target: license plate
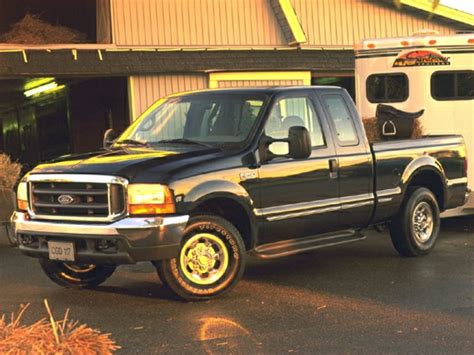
point(63, 251)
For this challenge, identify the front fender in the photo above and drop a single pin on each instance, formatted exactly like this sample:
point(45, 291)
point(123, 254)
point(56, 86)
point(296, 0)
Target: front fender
point(217, 189)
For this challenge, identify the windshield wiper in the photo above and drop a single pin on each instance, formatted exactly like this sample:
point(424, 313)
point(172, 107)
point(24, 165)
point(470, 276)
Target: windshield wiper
point(186, 141)
point(132, 142)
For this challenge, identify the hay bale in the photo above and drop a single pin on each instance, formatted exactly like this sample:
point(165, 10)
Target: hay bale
point(418, 131)
point(371, 129)
point(373, 133)
point(9, 172)
point(32, 30)
point(51, 337)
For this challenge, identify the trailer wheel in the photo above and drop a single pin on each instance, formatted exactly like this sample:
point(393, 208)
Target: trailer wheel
point(415, 229)
point(210, 263)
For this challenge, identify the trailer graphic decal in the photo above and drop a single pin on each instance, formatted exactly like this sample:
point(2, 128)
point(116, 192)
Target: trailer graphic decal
point(420, 58)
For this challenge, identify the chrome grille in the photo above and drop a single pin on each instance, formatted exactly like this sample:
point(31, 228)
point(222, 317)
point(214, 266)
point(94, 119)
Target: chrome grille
point(73, 197)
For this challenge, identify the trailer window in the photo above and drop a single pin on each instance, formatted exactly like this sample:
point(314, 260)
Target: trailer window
point(387, 87)
point(452, 85)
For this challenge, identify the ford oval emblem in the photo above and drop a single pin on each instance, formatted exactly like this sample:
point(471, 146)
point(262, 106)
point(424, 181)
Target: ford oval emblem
point(65, 199)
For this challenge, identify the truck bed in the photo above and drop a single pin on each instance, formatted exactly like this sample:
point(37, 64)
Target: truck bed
point(395, 161)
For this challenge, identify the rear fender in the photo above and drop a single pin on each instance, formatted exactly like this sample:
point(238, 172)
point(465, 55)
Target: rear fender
point(423, 164)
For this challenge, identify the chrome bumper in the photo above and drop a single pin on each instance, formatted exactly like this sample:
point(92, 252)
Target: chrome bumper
point(136, 239)
point(23, 224)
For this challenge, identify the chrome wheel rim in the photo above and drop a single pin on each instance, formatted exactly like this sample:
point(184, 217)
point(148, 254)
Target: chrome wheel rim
point(79, 268)
point(204, 259)
point(423, 222)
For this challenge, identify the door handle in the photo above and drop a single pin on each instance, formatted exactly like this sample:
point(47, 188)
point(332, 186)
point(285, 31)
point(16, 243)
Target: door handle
point(333, 168)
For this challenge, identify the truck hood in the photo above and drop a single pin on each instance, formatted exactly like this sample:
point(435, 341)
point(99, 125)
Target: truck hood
point(129, 162)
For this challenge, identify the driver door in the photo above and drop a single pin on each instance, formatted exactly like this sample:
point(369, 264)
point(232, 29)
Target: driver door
point(298, 197)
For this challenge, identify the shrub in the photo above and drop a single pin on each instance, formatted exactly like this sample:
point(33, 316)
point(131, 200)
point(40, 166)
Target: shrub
point(9, 172)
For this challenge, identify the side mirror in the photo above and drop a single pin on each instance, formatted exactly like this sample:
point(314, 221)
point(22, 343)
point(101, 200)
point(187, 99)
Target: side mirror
point(300, 142)
point(296, 146)
point(109, 137)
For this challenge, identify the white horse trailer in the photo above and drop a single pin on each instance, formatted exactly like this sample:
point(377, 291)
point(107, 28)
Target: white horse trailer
point(425, 71)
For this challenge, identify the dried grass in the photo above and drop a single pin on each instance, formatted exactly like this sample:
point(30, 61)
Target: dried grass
point(32, 30)
point(373, 133)
point(9, 172)
point(62, 337)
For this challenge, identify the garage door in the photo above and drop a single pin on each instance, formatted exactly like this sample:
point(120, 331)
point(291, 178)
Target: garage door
point(253, 79)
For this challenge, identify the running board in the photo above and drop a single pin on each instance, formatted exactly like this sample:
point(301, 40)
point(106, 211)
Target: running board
point(300, 245)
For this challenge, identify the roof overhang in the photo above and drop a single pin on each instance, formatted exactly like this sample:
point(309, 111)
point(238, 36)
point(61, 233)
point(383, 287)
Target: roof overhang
point(288, 21)
point(100, 60)
point(440, 10)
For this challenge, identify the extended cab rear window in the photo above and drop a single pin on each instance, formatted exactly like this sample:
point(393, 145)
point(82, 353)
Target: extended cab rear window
point(388, 87)
point(341, 119)
point(452, 85)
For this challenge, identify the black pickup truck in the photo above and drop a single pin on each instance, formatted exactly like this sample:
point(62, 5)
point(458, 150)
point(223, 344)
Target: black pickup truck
point(202, 178)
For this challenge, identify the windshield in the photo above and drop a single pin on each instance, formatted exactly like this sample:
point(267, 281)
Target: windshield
point(206, 119)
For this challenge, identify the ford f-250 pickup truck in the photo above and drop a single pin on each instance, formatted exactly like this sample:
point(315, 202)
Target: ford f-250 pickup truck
point(202, 178)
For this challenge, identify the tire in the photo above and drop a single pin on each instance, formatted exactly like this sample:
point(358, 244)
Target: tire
point(222, 250)
point(11, 235)
point(415, 229)
point(77, 276)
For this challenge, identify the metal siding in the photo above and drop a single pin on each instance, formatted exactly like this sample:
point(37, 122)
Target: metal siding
point(345, 22)
point(149, 88)
point(257, 83)
point(195, 23)
point(103, 19)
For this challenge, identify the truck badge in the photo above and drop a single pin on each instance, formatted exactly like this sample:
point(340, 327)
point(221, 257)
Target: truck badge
point(248, 175)
point(65, 199)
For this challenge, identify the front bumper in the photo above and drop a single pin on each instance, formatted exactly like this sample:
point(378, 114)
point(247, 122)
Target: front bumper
point(126, 241)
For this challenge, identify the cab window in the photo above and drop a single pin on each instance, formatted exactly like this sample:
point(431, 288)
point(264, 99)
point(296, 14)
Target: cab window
point(341, 119)
point(452, 85)
point(387, 87)
point(294, 111)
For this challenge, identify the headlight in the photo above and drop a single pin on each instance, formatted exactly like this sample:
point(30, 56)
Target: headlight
point(22, 196)
point(149, 199)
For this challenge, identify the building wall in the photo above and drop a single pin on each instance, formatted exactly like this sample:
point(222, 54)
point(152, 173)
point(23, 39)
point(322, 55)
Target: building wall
point(346, 22)
point(248, 23)
point(146, 89)
point(195, 23)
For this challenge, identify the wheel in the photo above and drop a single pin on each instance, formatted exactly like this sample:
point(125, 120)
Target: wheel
point(11, 235)
point(210, 263)
point(416, 227)
point(75, 275)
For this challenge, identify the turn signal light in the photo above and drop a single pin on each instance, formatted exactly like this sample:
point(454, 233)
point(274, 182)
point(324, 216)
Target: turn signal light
point(22, 205)
point(22, 196)
point(151, 209)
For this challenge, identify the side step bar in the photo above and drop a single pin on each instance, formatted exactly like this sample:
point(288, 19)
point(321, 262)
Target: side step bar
point(300, 245)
